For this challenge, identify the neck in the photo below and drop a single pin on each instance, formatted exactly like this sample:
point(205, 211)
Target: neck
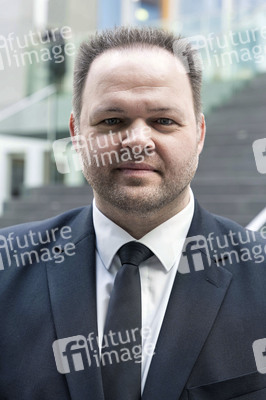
point(138, 225)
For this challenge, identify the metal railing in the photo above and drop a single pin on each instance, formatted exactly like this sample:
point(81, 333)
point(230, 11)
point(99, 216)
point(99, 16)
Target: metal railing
point(258, 222)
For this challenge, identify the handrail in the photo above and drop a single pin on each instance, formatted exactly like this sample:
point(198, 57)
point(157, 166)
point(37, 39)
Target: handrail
point(27, 102)
point(258, 221)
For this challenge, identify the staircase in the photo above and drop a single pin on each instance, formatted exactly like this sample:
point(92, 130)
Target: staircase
point(44, 202)
point(227, 181)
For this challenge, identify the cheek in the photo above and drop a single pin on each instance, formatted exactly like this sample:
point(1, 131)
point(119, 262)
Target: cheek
point(177, 151)
point(103, 142)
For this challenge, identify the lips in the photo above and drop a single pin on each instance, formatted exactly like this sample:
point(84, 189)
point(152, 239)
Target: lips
point(136, 167)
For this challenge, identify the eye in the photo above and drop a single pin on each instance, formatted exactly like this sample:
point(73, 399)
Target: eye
point(165, 121)
point(111, 121)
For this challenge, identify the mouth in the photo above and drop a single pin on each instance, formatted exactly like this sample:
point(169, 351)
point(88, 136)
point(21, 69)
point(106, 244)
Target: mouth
point(136, 169)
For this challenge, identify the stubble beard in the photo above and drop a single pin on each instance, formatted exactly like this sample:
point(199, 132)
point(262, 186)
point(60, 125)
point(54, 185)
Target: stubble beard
point(148, 199)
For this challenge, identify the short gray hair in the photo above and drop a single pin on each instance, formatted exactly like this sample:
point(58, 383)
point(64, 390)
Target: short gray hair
point(130, 37)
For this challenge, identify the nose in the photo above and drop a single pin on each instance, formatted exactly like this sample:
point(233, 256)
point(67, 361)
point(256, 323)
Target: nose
point(138, 134)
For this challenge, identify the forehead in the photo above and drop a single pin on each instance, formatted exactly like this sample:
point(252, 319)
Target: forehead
point(136, 72)
point(153, 62)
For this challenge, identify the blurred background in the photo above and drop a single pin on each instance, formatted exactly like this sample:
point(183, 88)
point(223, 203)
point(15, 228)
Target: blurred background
point(38, 42)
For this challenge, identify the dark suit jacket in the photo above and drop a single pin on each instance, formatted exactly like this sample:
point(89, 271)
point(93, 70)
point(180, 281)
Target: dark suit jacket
point(204, 350)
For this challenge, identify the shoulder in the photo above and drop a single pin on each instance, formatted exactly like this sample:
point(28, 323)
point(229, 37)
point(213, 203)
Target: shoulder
point(234, 247)
point(30, 241)
point(221, 226)
point(60, 220)
point(229, 227)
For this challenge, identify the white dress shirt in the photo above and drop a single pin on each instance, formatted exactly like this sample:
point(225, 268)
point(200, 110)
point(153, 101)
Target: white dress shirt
point(157, 274)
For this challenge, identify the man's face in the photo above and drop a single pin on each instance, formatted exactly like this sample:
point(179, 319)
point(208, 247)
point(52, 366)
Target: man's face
point(143, 96)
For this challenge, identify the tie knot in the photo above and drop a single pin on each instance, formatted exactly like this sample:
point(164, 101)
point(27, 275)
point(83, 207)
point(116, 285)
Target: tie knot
point(134, 253)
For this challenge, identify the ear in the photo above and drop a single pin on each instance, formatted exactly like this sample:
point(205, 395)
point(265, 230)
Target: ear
point(73, 132)
point(201, 131)
point(72, 125)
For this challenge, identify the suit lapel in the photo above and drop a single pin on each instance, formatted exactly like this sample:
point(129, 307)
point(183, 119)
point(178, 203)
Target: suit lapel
point(72, 286)
point(194, 303)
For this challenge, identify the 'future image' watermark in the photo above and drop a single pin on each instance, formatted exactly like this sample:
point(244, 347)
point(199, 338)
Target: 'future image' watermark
point(231, 47)
point(35, 47)
point(35, 247)
point(101, 150)
point(228, 249)
point(77, 353)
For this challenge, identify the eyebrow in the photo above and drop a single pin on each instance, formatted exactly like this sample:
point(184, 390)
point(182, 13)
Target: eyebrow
point(159, 109)
point(102, 110)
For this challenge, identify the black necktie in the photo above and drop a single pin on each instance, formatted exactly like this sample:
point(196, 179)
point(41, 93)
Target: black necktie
point(121, 346)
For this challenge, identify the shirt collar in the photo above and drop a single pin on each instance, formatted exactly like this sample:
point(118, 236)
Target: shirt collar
point(165, 241)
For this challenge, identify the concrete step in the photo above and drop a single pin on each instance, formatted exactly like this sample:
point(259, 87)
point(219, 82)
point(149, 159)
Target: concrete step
point(58, 189)
point(242, 102)
point(32, 206)
point(235, 152)
point(251, 129)
point(232, 114)
point(218, 187)
point(232, 206)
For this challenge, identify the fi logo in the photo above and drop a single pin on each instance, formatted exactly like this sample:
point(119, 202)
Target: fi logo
point(195, 255)
point(259, 350)
point(67, 154)
point(259, 150)
point(4, 248)
point(71, 354)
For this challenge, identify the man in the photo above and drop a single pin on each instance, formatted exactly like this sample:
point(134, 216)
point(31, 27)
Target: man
point(70, 312)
